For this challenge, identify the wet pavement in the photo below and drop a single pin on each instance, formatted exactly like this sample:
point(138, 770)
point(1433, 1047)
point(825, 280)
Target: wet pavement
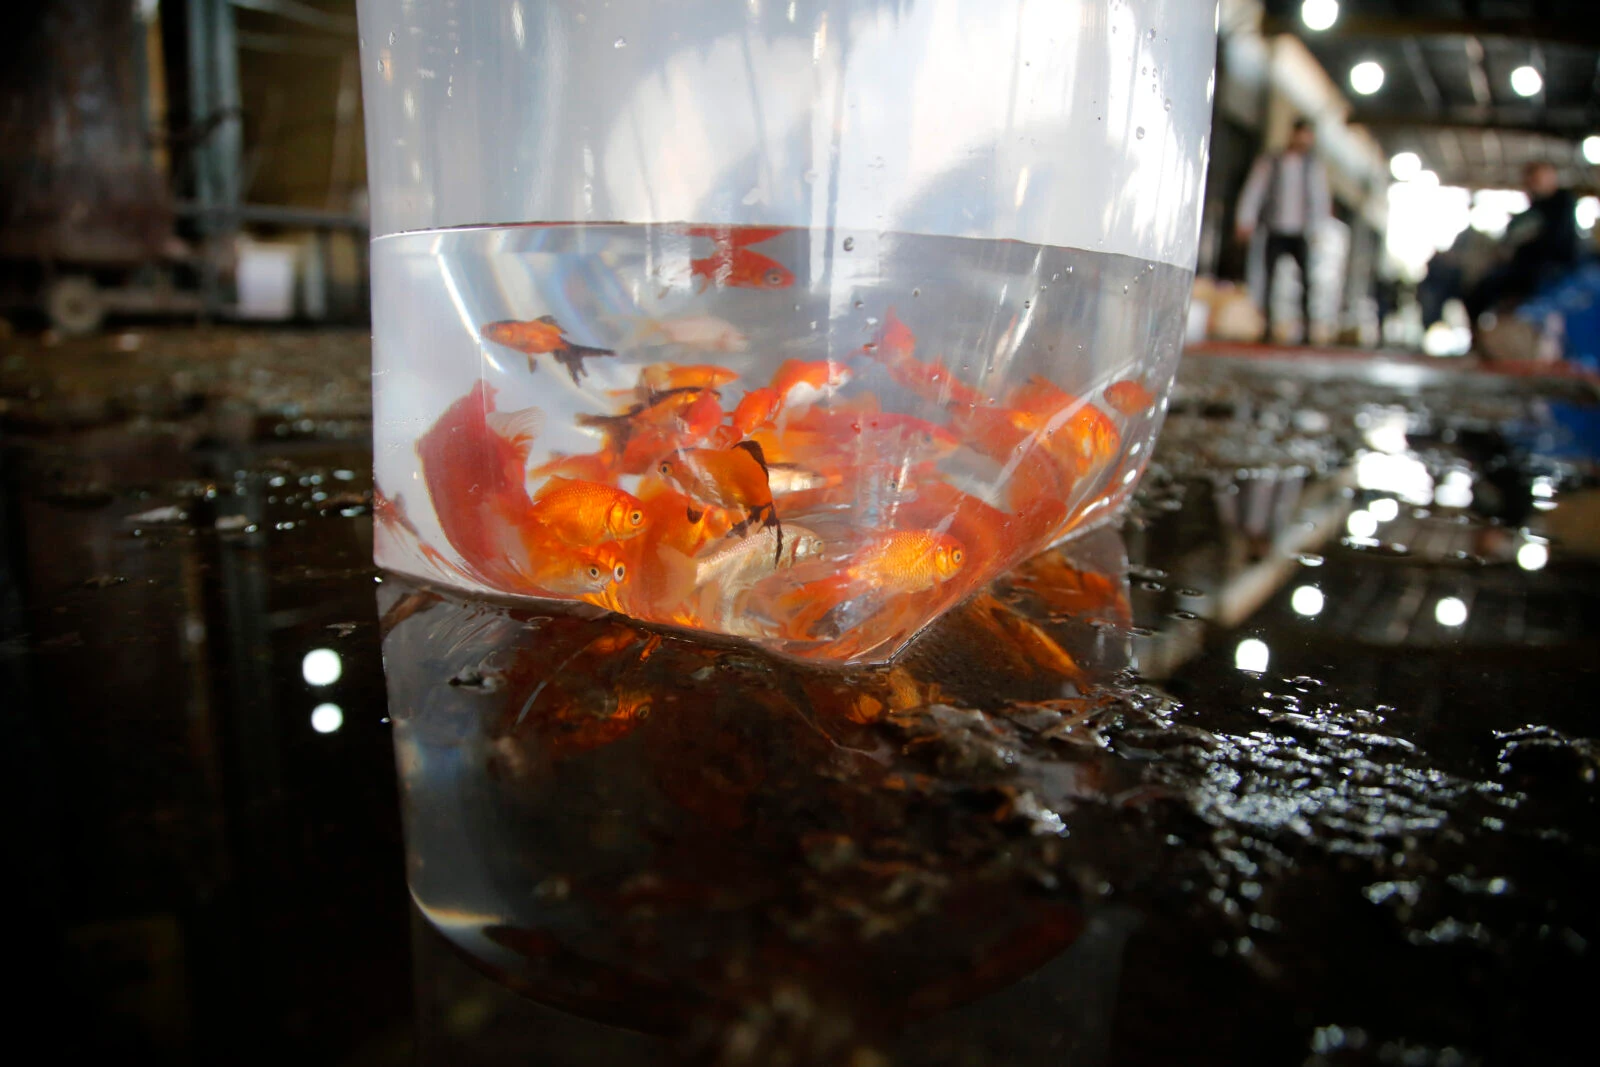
point(1296, 766)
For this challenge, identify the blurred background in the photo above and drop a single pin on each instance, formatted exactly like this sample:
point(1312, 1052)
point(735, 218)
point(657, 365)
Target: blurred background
point(204, 159)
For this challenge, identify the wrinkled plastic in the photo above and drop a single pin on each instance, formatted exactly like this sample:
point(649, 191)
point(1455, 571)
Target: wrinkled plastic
point(891, 292)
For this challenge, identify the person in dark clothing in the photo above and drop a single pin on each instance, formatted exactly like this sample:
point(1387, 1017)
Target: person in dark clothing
point(1288, 192)
point(1540, 244)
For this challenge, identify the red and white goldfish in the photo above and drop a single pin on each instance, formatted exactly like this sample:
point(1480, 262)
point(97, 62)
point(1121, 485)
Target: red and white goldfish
point(543, 335)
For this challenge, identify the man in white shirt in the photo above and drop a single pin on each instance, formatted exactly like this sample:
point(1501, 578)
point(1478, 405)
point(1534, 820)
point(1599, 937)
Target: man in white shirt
point(1289, 193)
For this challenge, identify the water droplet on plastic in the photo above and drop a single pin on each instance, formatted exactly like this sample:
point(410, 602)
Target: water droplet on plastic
point(620, 42)
point(449, 90)
point(1185, 616)
point(1139, 133)
point(1069, 269)
point(1311, 559)
point(392, 36)
point(1168, 105)
point(1151, 35)
point(916, 292)
point(1143, 71)
point(1189, 592)
point(1153, 587)
point(849, 243)
point(809, 177)
point(1141, 631)
point(871, 321)
point(1124, 289)
point(860, 303)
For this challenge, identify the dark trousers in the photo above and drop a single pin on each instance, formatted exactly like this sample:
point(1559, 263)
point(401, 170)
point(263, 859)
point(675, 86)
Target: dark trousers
point(1278, 246)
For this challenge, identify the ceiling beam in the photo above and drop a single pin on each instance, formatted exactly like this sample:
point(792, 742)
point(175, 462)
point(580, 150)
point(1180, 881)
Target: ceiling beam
point(1568, 122)
point(1579, 31)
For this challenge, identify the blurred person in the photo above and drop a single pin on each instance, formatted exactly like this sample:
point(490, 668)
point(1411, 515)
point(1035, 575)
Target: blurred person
point(1539, 246)
point(1288, 193)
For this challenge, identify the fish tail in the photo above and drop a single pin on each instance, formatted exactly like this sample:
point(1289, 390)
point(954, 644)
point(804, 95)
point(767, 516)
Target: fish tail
point(812, 602)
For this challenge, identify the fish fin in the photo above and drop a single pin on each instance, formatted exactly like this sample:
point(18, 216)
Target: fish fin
point(755, 450)
point(774, 522)
point(520, 428)
point(745, 236)
point(554, 482)
point(533, 364)
point(548, 320)
point(693, 515)
point(678, 574)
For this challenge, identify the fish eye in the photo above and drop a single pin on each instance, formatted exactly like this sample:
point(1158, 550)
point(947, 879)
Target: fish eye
point(594, 573)
point(619, 572)
point(774, 277)
point(636, 517)
point(665, 468)
point(956, 556)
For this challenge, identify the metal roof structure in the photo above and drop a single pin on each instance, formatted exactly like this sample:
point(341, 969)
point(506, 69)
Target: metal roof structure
point(1447, 91)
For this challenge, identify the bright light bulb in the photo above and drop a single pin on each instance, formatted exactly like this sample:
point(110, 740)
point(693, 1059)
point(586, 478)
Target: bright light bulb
point(1405, 166)
point(1361, 524)
point(1450, 611)
point(1307, 600)
point(1318, 15)
point(1587, 212)
point(1533, 555)
point(326, 718)
point(1252, 655)
point(1426, 178)
point(1591, 149)
point(1366, 77)
point(321, 666)
point(1384, 509)
point(1525, 81)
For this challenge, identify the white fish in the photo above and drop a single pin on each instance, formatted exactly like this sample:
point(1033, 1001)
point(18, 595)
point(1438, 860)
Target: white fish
point(723, 578)
point(704, 333)
point(792, 478)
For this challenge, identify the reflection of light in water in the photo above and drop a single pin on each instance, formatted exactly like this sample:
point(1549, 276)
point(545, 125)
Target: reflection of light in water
point(1384, 509)
point(1455, 490)
point(1533, 556)
point(326, 718)
point(1450, 611)
point(1543, 488)
point(1361, 524)
point(321, 666)
point(1404, 476)
point(1442, 339)
point(1251, 655)
point(1307, 600)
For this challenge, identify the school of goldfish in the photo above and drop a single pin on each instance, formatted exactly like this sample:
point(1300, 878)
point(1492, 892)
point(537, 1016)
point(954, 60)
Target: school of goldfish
point(800, 511)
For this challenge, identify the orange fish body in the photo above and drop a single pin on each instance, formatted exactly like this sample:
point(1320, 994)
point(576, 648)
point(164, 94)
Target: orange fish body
point(566, 570)
point(736, 236)
point(803, 382)
point(895, 349)
point(756, 408)
point(660, 378)
point(740, 268)
point(733, 478)
point(1129, 397)
point(587, 513)
point(530, 337)
point(898, 563)
point(479, 494)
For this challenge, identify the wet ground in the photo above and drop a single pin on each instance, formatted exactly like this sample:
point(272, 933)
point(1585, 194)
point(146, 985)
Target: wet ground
point(1294, 767)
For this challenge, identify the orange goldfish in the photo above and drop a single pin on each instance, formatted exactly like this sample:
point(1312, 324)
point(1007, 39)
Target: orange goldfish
point(659, 378)
point(660, 418)
point(1071, 429)
point(477, 483)
point(1129, 397)
point(740, 268)
point(931, 381)
point(897, 563)
point(587, 513)
point(735, 479)
point(586, 573)
point(543, 335)
point(756, 408)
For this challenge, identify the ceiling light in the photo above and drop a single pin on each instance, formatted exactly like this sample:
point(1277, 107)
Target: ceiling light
point(1405, 166)
point(1366, 77)
point(1319, 14)
point(1591, 149)
point(1525, 81)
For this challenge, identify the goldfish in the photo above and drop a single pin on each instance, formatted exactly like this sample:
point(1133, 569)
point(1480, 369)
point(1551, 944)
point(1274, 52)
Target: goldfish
point(704, 333)
point(895, 350)
point(647, 429)
point(1071, 429)
point(578, 572)
point(1129, 397)
point(543, 335)
point(733, 263)
point(801, 383)
point(878, 435)
point(734, 479)
point(477, 482)
point(659, 378)
point(722, 580)
point(587, 513)
point(897, 563)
